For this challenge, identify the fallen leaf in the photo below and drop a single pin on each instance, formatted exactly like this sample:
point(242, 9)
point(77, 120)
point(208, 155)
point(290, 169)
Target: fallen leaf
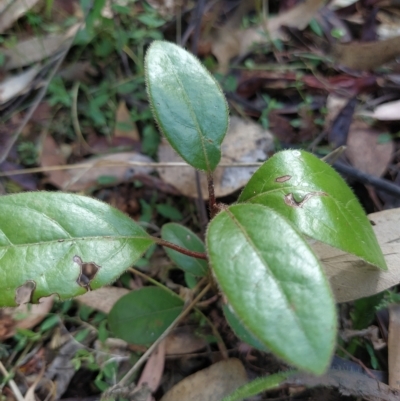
point(232, 41)
point(124, 125)
point(245, 142)
point(153, 371)
point(211, 384)
point(14, 10)
point(352, 278)
point(368, 55)
point(14, 85)
point(365, 152)
point(30, 394)
point(23, 317)
point(32, 50)
point(384, 112)
point(102, 299)
point(183, 341)
point(339, 130)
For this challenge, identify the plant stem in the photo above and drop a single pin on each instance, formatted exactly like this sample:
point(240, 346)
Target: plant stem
point(211, 195)
point(179, 249)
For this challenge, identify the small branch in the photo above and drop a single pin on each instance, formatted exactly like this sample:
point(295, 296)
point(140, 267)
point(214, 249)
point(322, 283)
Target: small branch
point(11, 383)
point(179, 249)
point(211, 195)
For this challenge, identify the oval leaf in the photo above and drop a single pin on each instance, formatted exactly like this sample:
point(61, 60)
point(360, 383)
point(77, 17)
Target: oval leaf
point(317, 201)
point(64, 244)
point(274, 284)
point(187, 104)
point(182, 236)
point(141, 316)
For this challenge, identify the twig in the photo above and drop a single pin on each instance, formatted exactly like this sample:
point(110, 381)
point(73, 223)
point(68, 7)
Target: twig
point(147, 354)
point(193, 254)
point(211, 195)
point(367, 371)
point(11, 383)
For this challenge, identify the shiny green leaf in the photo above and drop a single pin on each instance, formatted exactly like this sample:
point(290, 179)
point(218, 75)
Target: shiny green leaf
point(187, 104)
point(317, 201)
point(274, 284)
point(141, 316)
point(64, 244)
point(182, 236)
point(241, 331)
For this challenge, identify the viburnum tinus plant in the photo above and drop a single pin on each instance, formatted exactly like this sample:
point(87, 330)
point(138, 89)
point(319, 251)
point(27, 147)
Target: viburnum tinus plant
point(257, 249)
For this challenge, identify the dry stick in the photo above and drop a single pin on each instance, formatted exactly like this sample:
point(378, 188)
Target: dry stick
point(211, 195)
point(146, 355)
point(11, 383)
point(179, 249)
point(358, 361)
point(220, 341)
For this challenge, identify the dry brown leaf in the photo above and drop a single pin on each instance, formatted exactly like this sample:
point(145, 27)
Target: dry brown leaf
point(183, 341)
point(368, 55)
point(232, 41)
point(364, 151)
point(102, 299)
point(15, 10)
point(32, 50)
point(153, 371)
point(15, 85)
point(350, 277)
point(211, 384)
point(394, 346)
point(245, 142)
point(23, 317)
point(124, 125)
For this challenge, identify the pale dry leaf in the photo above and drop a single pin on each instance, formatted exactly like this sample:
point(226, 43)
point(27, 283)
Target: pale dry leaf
point(153, 371)
point(232, 41)
point(124, 125)
point(102, 299)
point(15, 85)
point(32, 50)
point(384, 112)
point(13, 11)
point(184, 341)
point(23, 317)
point(352, 278)
point(211, 384)
point(4, 4)
point(337, 4)
point(365, 152)
point(389, 24)
point(30, 394)
point(368, 55)
point(334, 104)
point(394, 346)
point(245, 142)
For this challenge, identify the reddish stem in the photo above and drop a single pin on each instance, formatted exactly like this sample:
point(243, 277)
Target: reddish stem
point(179, 249)
point(211, 195)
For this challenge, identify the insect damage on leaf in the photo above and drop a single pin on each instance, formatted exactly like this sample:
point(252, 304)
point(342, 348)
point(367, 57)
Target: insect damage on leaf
point(87, 273)
point(24, 293)
point(284, 178)
point(292, 202)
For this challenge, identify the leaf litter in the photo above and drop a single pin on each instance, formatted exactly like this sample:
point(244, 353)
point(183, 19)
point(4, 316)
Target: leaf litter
point(284, 68)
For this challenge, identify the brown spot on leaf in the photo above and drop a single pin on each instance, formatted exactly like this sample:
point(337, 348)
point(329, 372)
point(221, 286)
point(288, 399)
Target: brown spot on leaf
point(290, 201)
point(87, 273)
point(24, 293)
point(284, 178)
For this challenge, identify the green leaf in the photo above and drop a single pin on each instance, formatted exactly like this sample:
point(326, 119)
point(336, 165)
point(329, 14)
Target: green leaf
point(64, 244)
point(141, 316)
point(317, 201)
point(169, 212)
point(187, 104)
point(182, 236)
point(259, 385)
point(274, 284)
point(241, 331)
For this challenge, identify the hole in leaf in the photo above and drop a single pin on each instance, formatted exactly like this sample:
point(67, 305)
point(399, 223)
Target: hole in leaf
point(24, 293)
point(88, 272)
